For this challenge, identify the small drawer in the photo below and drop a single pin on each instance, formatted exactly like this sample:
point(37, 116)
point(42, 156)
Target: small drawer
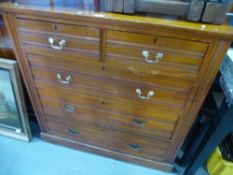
point(45, 38)
point(154, 49)
point(145, 147)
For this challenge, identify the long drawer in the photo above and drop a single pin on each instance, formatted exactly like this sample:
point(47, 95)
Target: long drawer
point(110, 103)
point(127, 90)
point(145, 147)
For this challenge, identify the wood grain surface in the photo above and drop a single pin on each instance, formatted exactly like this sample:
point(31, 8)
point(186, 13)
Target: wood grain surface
point(98, 109)
point(150, 148)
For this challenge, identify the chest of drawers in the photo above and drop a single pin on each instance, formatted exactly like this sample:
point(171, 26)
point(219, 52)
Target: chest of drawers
point(124, 87)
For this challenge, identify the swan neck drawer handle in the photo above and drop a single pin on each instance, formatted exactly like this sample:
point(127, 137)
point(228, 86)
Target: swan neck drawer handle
point(67, 80)
point(135, 147)
point(139, 122)
point(146, 56)
point(69, 108)
point(59, 46)
point(73, 132)
point(149, 95)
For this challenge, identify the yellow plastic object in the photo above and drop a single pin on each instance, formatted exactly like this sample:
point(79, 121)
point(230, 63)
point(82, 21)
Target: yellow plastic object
point(216, 165)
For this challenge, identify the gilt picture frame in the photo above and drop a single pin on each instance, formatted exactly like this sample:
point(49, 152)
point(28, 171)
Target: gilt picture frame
point(13, 114)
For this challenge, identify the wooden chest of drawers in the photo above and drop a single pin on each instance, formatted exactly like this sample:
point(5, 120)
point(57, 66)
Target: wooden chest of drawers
point(125, 87)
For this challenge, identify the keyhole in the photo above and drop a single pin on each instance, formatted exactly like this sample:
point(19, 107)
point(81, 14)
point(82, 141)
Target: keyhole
point(103, 68)
point(55, 27)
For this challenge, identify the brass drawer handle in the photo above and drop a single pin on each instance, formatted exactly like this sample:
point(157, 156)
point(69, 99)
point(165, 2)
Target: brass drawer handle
point(69, 108)
point(59, 46)
point(149, 95)
point(73, 132)
point(138, 122)
point(67, 80)
point(135, 147)
point(146, 56)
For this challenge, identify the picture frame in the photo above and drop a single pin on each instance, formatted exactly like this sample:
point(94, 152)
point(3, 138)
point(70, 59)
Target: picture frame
point(13, 114)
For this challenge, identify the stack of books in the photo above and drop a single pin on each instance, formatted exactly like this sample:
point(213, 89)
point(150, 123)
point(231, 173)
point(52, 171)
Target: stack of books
point(126, 6)
point(209, 11)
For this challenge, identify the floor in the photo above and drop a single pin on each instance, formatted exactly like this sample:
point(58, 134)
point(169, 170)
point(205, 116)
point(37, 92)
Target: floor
point(42, 158)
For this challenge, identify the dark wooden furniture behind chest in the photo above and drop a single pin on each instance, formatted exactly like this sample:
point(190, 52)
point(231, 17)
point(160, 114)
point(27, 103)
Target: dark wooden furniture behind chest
point(127, 87)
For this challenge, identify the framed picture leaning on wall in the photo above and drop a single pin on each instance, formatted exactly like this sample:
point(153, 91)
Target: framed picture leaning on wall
point(13, 115)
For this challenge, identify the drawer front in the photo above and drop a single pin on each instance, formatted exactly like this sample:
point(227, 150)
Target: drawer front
point(75, 43)
point(60, 39)
point(127, 90)
point(76, 114)
point(180, 52)
point(117, 72)
point(106, 102)
point(145, 147)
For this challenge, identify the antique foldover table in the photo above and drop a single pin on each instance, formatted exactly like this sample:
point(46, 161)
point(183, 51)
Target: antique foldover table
point(123, 86)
